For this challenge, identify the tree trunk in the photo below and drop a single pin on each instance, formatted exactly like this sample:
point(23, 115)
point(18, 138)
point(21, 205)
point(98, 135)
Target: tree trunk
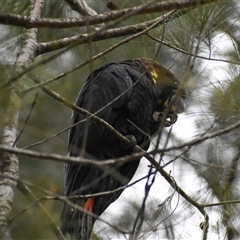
point(9, 162)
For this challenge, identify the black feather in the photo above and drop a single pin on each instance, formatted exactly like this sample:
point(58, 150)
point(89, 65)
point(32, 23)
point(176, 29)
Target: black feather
point(126, 93)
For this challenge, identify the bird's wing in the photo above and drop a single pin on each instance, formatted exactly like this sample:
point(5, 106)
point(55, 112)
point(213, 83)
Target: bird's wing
point(109, 84)
point(105, 85)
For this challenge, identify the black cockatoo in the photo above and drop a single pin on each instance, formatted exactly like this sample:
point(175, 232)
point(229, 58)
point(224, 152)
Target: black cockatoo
point(132, 96)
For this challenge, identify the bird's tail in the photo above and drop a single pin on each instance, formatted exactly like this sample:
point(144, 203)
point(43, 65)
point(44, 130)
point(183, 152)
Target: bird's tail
point(77, 223)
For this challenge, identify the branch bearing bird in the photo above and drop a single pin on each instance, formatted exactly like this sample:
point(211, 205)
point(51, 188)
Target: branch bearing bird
point(138, 98)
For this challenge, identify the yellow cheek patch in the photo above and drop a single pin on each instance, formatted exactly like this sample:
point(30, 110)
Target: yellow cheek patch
point(154, 76)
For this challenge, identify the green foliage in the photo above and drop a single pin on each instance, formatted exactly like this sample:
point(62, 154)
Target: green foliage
point(14, 7)
point(225, 102)
point(197, 26)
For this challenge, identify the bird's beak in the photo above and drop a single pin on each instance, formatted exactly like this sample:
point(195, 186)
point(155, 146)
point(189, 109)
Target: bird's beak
point(177, 104)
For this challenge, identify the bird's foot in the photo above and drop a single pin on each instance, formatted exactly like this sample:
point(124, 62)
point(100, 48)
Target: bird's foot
point(130, 145)
point(171, 118)
point(167, 117)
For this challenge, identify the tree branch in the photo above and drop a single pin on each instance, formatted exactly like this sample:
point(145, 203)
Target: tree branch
point(34, 22)
point(103, 35)
point(67, 47)
point(89, 38)
point(132, 157)
point(81, 7)
point(42, 83)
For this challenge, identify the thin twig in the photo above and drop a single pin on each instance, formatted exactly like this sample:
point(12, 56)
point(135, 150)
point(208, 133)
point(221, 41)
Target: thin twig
point(206, 205)
point(191, 54)
point(31, 196)
point(26, 121)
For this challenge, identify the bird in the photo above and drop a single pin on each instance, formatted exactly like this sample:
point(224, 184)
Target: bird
point(137, 97)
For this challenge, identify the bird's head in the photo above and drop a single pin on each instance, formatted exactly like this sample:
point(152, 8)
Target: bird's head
point(170, 95)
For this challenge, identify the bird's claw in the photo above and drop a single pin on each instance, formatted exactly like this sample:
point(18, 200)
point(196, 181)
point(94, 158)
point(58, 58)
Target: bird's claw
point(131, 144)
point(171, 118)
point(167, 116)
